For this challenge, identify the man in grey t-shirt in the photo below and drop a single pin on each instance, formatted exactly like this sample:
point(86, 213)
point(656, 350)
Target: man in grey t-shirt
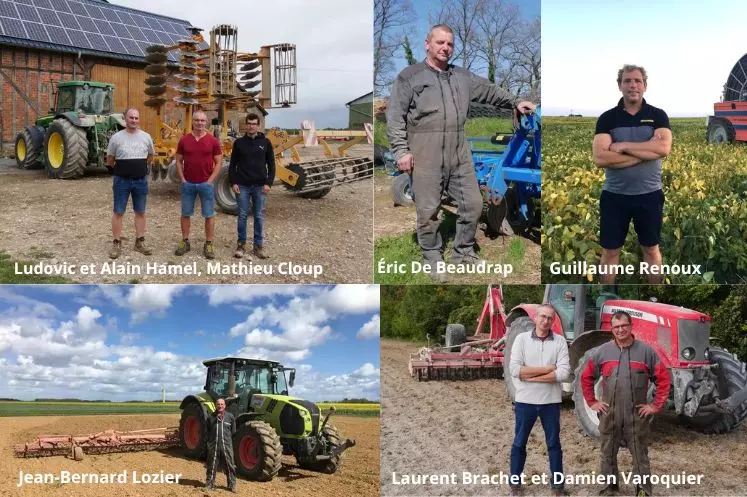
point(128, 155)
point(630, 141)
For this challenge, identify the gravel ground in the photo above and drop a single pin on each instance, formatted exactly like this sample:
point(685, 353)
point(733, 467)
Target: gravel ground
point(68, 222)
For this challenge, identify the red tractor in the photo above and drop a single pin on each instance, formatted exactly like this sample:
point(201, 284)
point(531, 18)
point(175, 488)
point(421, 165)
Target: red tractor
point(709, 385)
point(729, 122)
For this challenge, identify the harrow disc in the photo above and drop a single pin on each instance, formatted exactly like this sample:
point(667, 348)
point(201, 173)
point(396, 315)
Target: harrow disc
point(316, 178)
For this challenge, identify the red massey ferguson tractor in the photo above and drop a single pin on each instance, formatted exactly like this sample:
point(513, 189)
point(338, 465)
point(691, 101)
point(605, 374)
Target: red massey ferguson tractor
point(709, 385)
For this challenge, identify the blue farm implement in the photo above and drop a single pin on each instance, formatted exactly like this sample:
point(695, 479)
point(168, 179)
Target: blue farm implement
point(510, 179)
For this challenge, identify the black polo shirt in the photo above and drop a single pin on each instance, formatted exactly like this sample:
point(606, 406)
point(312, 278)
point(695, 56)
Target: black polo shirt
point(644, 177)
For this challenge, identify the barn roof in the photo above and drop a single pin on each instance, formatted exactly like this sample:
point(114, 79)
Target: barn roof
point(92, 27)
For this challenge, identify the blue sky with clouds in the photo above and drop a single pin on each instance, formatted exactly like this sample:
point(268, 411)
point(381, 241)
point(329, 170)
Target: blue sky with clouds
point(123, 342)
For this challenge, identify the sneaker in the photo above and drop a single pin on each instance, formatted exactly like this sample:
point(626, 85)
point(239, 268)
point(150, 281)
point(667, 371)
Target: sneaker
point(182, 248)
point(259, 252)
point(240, 250)
point(116, 249)
point(610, 489)
point(209, 250)
point(140, 246)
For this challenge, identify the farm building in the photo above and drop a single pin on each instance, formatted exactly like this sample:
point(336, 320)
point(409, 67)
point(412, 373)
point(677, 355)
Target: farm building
point(361, 111)
point(61, 40)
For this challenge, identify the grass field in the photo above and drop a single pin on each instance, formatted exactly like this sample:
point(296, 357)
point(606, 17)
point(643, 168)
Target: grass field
point(10, 408)
point(705, 218)
point(8, 275)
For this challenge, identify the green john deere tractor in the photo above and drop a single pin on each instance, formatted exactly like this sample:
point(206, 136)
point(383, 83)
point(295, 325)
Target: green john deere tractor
point(73, 138)
point(269, 422)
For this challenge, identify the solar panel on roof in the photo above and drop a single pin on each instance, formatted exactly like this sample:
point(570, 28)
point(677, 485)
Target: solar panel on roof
point(68, 21)
point(7, 9)
point(95, 12)
point(149, 34)
point(97, 42)
point(60, 6)
point(49, 17)
point(14, 28)
point(77, 8)
point(125, 17)
point(120, 30)
point(27, 2)
point(57, 35)
point(115, 44)
point(78, 38)
point(139, 20)
point(86, 24)
point(135, 33)
point(153, 23)
point(45, 4)
point(164, 38)
point(105, 28)
point(132, 47)
point(28, 13)
point(36, 31)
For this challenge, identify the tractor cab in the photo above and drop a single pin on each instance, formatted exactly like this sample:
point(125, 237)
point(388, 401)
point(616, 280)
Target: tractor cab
point(236, 379)
point(579, 307)
point(87, 97)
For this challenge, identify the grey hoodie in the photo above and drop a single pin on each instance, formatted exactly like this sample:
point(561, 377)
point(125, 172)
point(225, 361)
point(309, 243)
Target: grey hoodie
point(427, 110)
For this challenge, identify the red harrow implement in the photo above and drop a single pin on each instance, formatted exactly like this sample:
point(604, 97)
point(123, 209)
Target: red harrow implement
point(466, 358)
point(101, 443)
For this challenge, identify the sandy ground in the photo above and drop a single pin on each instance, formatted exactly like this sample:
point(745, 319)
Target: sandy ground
point(358, 474)
point(70, 222)
point(451, 427)
point(400, 220)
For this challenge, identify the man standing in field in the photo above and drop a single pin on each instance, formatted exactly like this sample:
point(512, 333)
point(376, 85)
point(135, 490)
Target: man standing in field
point(220, 428)
point(539, 364)
point(198, 162)
point(128, 154)
point(626, 366)
point(425, 124)
point(630, 142)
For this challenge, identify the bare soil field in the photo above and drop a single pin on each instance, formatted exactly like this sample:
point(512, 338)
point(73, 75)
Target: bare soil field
point(358, 474)
point(451, 427)
point(70, 222)
point(400, 220)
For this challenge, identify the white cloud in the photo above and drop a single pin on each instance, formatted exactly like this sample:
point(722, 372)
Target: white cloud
point(364, 382)
point(145, 300)
point(351, 299)
point(371, 329)
point(366, 370)
point(227, 294)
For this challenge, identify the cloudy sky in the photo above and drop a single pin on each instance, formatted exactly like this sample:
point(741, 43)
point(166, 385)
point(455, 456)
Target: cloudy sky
point(333, 38)
point(124, 342)
point(687, 47)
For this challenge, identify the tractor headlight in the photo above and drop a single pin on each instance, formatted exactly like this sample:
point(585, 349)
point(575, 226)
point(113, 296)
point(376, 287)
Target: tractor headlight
point(688, 353)
point(708, 354)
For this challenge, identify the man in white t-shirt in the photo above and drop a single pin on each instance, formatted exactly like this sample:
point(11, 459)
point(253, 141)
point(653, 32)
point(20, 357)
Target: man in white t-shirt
point(539, 363)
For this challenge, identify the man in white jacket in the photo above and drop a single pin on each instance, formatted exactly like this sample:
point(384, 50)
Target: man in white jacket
point(539, 363)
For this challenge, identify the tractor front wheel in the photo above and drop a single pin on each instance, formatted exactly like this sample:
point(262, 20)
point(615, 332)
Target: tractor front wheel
point(523, 324)
point(28, 149)
point(65, 150)
point(731, 379)
point(332, 439)
point(192, 432)
point(257, 451)
point(455, 335)
point(402, 190)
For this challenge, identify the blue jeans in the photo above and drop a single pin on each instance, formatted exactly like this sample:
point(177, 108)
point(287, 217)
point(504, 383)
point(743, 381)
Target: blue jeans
point(124, 187)
point(251, 197)
point(189, 193)
point(526, 415)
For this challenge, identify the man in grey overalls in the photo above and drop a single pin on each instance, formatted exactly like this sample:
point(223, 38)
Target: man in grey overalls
point(220, 429)
point(425, 124)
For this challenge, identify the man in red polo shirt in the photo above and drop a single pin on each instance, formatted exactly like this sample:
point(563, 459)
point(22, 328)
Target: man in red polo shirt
point(198, 162)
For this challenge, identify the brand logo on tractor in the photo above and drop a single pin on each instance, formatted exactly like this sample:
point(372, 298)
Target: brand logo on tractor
point(646, 316)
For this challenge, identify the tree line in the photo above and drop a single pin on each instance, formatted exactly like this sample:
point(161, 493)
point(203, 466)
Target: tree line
point(415, 311)
point(491, 39)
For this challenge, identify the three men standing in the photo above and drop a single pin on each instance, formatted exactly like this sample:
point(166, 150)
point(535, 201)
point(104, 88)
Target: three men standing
point(198, 162)
point(128, 155)
point(251, 173)
point(539, 363)
point(630, 141)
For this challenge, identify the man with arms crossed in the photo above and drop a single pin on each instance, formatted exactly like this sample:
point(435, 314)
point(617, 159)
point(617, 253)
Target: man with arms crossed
point(129, 152)
point(630, 142)
point(539, 363)
point(220, 428)
point(425, 124)
point(251, 173)
point(198, 162)
point(625, 365)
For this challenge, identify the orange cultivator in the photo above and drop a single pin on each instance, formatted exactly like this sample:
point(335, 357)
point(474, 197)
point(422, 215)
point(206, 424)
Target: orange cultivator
point(101, 443)
point(476, 356)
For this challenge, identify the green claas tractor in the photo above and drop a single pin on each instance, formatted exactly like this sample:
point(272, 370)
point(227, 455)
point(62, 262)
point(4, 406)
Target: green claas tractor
point(269, 422)
point(73, 138)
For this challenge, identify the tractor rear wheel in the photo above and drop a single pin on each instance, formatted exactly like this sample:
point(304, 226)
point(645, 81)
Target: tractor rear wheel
point(587, 418)
point(192, 432)
point(28, 149)
point(731, 379)
point(455, 335)
point(402, 190)
point(224, 196)
point(65, 150)
point(332, 438)
point(523, 324)
point(720, 131)
point(257, 451)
